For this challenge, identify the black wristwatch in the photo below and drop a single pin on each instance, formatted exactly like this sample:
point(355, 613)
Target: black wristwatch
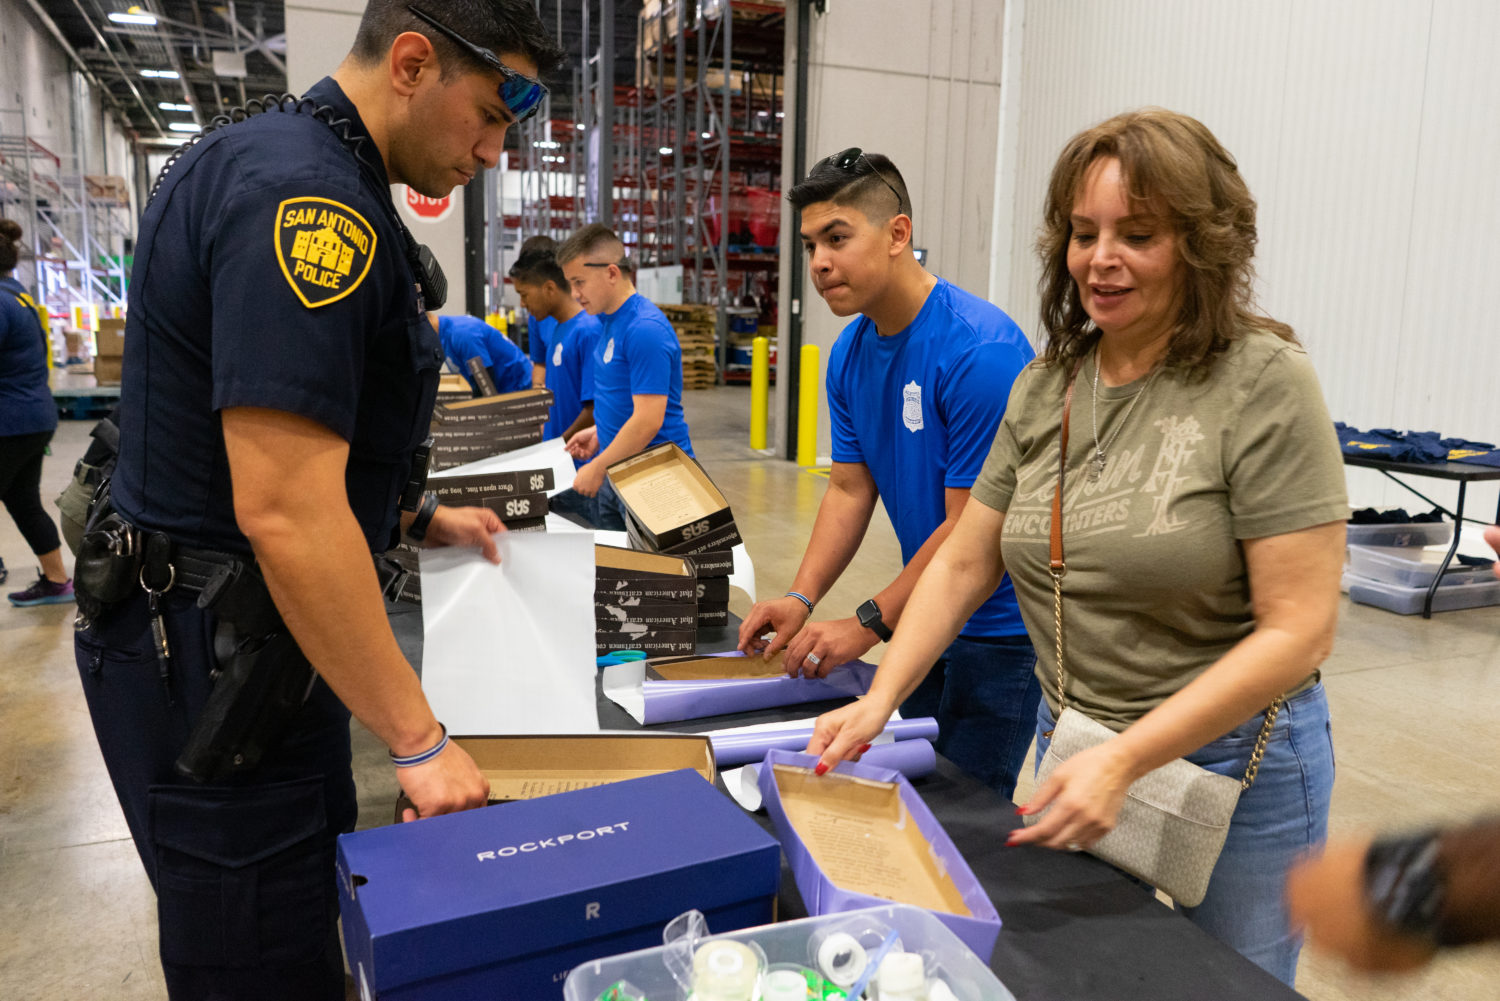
point(417, 531)
point(869, 617)
point(1405, 885)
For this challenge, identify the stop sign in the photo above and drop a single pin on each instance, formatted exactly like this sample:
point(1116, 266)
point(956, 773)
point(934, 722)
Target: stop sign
point(428, 209)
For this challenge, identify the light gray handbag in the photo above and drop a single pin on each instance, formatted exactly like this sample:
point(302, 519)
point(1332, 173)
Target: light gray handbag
point(1174, 820)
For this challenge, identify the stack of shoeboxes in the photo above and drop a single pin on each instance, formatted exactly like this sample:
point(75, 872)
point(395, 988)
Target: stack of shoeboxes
point(453, 389)
point(672, 507)
point(110, 340)
point(644, 601)
point(695, 326)
point(469, 430)
point(1390, 567)
point(519, 497)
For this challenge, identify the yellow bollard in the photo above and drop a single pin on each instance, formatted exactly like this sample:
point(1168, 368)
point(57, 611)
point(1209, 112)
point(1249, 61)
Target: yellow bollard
point(760, 391)
point(807, 407)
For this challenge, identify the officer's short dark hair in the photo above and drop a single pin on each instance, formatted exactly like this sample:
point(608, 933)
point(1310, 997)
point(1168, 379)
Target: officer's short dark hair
point(595, 238)
point(870, 183)
point(537, 263)
point(505, 26)
point(10, 245)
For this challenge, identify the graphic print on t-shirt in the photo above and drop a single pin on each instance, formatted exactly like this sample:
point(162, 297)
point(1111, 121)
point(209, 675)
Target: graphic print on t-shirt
point(609, 351)
point(1177, 438)
point(557, 354)
point(911, 406)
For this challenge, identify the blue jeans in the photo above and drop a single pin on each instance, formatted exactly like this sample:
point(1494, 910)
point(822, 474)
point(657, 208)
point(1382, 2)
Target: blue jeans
point(983, 692)
point(1278, 819)
point(604, 511)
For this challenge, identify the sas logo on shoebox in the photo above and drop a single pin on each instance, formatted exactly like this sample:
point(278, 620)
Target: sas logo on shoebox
point(555, 841)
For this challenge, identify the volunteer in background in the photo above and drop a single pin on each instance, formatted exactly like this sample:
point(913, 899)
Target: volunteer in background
point(28, 417)
point(544, 293)
point(1202, 521)
point(279, 371)
point(464, 337)
point(916, 387)
point(637, 374)
point(538, 327)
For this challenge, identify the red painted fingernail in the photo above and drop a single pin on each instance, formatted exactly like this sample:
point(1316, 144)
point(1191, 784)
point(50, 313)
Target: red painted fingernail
point(1021, 811)
point(820, 769)
point(863, 748)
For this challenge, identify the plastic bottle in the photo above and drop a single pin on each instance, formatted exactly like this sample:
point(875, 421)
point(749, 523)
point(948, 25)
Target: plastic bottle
point(725, 971)
point(901, 978)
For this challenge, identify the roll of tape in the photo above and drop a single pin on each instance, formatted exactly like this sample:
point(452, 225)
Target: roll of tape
point(842, 959)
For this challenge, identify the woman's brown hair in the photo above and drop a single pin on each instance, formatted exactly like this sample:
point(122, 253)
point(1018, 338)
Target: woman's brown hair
point(10, 250)
point(1174, 164)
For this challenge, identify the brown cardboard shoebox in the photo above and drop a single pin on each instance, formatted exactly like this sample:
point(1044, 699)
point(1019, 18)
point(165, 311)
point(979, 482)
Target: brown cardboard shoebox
point(626, 573)
point(446, 455)
point(522, 401)
point(482, 487)
point(670, 497)
point(453, 389)
point(611, 616)
point(655, 642)
point(490, 423)
point(525, 767)
point(461, 435)
point(714, 590)
point(716, 547)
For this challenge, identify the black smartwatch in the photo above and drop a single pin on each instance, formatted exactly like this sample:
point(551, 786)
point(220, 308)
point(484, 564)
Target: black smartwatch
point(869, 617)
point(1404, 884)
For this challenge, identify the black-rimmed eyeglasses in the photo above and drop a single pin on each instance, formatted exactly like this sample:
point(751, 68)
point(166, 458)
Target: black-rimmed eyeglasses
point(846, 160)
point(522, 94)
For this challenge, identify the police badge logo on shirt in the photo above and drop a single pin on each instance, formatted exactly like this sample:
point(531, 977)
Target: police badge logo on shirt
point(324, 248)
point(911, 406)
point(609, 351)
point(557, 354)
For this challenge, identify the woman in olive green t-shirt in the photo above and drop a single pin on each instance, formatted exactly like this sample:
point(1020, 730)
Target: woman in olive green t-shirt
point(1203, 519)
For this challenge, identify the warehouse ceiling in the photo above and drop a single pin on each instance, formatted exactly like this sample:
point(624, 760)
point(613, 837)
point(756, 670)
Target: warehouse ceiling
point(168, 63)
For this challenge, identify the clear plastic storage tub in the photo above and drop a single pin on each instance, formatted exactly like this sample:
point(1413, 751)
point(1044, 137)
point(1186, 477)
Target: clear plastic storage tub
point(1408, 600)
point(836, 948)
point(1422, 533)
point(1411, 567)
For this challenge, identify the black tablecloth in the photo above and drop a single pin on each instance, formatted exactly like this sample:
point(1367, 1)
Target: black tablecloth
point(1073, 928)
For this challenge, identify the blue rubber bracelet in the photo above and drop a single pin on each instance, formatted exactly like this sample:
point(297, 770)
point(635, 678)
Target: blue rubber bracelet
point(802, 598)
point(421, 757)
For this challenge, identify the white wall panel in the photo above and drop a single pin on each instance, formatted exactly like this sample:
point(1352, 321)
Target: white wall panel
point(1369, 132)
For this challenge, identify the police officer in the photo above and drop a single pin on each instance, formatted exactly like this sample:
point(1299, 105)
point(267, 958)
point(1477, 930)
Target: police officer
point(279, 372)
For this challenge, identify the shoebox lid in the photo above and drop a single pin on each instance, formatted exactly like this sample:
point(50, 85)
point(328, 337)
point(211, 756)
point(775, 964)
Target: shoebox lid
point(860, 836)
point(526, 886)
point(491, 407)
point(530, 766)
point(669, 495)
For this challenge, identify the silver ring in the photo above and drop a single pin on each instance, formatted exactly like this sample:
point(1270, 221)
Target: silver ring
point(816, 660)
point(1074, 846)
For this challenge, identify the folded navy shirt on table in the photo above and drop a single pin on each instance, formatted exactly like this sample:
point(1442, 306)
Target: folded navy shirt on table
point(1414, 446)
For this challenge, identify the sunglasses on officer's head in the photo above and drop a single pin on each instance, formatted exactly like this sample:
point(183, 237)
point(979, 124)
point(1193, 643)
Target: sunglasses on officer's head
point(522, 94)
point(846, 160)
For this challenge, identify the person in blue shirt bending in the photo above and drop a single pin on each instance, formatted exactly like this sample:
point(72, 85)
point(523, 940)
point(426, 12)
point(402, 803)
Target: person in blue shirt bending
point(569, 363)
point(637, 374)
point(539, 327)
point(917, 384)
point(466, 337)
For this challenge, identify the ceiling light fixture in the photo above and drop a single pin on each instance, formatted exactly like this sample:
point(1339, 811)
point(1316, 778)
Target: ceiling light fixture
point(665, 151)
point(129, 17)
point(161, 74)
point(170, 106)
point(184, 126)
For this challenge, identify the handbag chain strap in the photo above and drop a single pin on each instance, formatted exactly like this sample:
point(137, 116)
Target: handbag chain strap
point(1058, 567)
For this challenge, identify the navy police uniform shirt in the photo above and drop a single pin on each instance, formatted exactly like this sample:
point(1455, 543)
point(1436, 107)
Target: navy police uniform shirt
point(270, 272)
point(570, 371)
point(466, 337)
point(26, 405)
point(920, 409)
point(638, 355)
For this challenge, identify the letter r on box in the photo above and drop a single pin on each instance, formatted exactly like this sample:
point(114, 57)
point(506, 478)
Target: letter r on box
point(591, 910)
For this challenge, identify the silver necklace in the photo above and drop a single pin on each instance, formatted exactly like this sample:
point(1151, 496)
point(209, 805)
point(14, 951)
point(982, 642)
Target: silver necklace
point(1101, 456)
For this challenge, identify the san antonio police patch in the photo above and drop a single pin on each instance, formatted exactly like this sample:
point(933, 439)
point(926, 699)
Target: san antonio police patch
point(324, 248)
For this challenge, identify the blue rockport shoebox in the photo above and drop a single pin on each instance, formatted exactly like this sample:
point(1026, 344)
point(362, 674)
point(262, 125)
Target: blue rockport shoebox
point(500, 903)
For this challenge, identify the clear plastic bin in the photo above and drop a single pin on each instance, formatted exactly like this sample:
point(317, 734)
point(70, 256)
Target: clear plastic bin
point(788, 944)
point(1409, 600)
point(1410, 567)
point(1423, 533)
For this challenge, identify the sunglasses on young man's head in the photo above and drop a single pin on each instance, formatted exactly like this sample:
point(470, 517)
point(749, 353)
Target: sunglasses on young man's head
point(522, 94)
point(846, 160)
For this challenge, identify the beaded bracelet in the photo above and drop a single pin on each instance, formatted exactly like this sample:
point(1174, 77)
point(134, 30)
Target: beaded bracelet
point(421, 757)
point(802, 598)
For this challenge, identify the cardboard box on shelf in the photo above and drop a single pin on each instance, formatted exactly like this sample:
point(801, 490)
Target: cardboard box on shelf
point(107, 371)
point(531, 766)
point(505, 900)
point(861, 836)
point(669, 496)
point(110, 338)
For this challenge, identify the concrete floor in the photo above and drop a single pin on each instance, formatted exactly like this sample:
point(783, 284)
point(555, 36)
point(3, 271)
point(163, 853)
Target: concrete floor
point(77, 917)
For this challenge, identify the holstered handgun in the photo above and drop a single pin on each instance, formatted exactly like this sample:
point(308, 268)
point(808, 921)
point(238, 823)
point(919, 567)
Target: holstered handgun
point(261, 681)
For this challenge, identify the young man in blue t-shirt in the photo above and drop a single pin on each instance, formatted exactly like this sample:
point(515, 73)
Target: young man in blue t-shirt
point(466, 337)
point(637, 374)
point(569, 361)
point(917, 385)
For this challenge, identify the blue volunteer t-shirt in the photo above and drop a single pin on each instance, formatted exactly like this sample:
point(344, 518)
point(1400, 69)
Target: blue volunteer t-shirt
point(570, 371)
point(539, 337)
point(26, 405)
point(920, 409)
point(637, 354)
point(466, 337)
